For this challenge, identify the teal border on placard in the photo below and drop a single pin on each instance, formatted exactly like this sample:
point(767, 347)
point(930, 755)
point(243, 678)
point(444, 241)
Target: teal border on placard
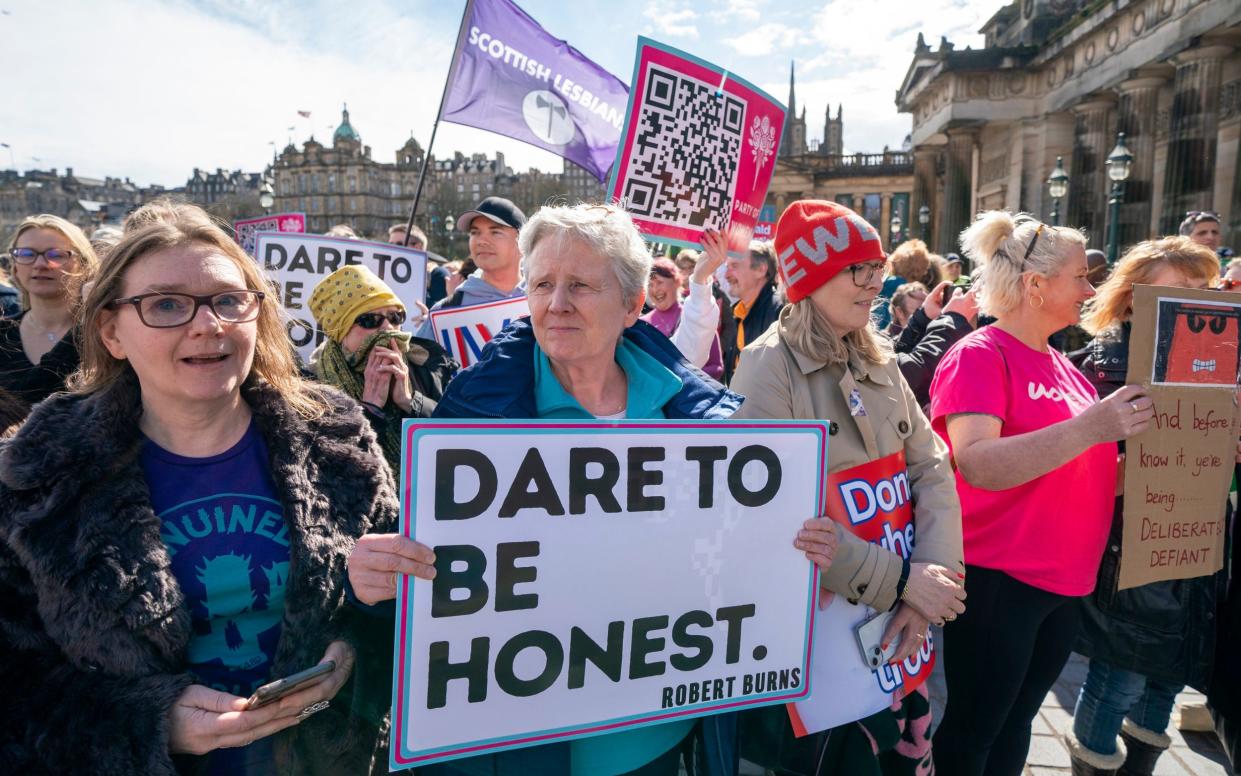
point(401, 758)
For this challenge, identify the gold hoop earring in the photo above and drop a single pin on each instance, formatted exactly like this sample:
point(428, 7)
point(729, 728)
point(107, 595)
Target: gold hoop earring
point(1040, 302)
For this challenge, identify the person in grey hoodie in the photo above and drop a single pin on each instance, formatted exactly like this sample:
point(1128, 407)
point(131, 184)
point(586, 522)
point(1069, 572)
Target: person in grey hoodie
point(492, 226)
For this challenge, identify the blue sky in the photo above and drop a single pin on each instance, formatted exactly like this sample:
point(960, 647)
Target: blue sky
point(151, 89)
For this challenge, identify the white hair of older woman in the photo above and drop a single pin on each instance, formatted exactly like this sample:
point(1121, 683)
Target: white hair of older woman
point(605, 229)
point(1006, 247)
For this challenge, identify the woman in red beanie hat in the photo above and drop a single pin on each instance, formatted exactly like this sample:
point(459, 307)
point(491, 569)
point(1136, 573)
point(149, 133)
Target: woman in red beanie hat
point(823, 359)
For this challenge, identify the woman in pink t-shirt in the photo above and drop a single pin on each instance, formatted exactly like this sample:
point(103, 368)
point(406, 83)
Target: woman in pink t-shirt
point(1036, 464)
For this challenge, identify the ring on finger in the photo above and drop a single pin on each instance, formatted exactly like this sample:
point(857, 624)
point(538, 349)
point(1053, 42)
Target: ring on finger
point(1133, 405)
point(314, 708)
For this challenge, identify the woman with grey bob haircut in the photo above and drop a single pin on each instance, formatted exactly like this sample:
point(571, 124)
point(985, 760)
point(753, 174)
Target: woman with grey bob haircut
point(609, 232)
point(604, 230)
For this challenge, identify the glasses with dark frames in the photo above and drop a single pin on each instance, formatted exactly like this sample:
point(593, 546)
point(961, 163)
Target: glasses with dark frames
point(51, 255)
point(867, 272)
point(167, 310)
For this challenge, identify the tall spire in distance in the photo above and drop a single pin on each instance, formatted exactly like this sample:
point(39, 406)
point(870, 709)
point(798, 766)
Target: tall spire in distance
point(792, 92)
point(788, 142)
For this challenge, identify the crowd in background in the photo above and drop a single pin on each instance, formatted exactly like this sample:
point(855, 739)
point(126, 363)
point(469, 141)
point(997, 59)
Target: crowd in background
point(145, 373)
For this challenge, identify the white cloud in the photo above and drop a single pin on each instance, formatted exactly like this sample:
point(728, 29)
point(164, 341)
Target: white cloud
point(741, 10)
point(766, 38)
point(676, 24)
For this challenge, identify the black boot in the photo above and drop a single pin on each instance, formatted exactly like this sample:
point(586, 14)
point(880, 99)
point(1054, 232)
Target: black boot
point(1144, 747)
point(1087, 762)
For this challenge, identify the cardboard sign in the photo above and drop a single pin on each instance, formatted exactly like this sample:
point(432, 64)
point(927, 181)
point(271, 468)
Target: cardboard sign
point(246, 230)
point(698, 149)
point(295, 264)
point(1183, 348)
point(463, 331)
point(594, 578)
point(873, 501)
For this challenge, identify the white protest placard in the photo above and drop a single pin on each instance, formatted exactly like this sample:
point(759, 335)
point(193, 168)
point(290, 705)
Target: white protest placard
point(463, 331)
point(296, 263)
point(599, 577)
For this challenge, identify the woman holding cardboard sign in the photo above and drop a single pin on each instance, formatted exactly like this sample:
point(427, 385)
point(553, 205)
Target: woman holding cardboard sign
point(825, 359)
point(1026, 430)
point(1145, 643)
point(172, 533)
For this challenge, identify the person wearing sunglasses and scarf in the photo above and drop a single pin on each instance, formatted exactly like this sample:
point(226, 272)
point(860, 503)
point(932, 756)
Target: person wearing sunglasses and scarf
point(392, 373)
point(1026, 429)
point(39, 347)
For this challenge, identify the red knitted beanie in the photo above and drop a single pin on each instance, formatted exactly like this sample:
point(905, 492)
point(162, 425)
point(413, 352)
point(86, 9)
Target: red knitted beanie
point(816, 240)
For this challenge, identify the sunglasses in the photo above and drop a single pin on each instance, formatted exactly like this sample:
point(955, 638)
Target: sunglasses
point(375, 320)
point(52, 255)
point(1206, 213)
point(1228, 284)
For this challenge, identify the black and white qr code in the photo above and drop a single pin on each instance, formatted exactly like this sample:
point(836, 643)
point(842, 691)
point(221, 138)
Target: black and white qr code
point(683, 163)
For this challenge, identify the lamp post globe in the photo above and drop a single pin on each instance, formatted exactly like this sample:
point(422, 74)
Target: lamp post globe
point(1057, 187)
point(1119, 165)
point(924, 218)
point(267, 196)
point(894, 229)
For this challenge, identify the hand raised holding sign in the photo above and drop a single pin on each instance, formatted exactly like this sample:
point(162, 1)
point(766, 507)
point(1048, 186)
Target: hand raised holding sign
point(377, 558)
point(712, 258)
point(1127, 412)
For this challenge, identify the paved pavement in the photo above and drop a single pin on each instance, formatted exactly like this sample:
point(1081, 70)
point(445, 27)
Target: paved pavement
point(1192, 754)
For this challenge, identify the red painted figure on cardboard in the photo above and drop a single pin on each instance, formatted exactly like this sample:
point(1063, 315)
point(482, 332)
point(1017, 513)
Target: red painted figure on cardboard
point(1197, 343)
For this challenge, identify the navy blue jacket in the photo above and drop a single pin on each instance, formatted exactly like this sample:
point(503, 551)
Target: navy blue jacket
point(501, 383)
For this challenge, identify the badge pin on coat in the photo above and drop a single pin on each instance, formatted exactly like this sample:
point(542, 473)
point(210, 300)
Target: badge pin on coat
point(856, 408)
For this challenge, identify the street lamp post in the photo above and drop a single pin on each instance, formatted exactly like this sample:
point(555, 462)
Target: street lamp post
point(450, 224)
point(267, 195)
point(894, 230)
point(1057, 186)
point(924, 218)
point(1119, 162)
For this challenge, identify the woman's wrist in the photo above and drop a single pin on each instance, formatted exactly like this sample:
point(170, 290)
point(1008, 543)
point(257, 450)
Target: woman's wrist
point(902, 584)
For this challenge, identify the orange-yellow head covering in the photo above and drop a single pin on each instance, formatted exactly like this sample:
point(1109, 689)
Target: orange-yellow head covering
point(345, 294)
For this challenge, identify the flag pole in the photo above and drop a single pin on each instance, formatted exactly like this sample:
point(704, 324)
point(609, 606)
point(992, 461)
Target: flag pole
point(426, 159)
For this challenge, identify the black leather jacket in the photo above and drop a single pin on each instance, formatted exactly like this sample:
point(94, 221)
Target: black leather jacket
point(1164, 630)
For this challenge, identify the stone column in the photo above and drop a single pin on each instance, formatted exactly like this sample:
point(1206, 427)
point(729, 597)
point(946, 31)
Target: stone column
point(958, 177)
point(925, 158)
point(1189, 182)
point(1093, 138)
point(885, 215)
point(1135, 116)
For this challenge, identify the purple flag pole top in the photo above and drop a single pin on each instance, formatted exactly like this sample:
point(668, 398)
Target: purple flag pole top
point(514, 79)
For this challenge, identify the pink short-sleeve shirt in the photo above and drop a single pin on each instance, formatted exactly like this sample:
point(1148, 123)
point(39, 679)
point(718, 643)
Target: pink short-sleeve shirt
point(1050, 532)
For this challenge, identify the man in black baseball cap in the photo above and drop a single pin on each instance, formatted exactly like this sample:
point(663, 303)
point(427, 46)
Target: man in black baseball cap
point(492, 226)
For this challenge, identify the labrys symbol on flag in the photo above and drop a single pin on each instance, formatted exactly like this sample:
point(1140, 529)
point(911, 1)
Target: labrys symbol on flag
point(548, 117)
point(762, 143)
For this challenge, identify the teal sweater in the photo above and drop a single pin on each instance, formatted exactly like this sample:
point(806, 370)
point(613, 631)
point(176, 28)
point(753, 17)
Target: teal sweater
point(651, 386)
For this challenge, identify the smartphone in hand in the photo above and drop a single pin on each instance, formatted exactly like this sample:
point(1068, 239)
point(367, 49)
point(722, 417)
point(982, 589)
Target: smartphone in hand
point(274, 691)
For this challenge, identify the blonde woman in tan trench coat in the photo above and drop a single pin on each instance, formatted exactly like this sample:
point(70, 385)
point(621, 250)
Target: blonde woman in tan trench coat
point(822, 359)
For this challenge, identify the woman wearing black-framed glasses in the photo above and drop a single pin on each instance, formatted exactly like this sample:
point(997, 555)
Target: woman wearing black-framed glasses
point(38, 346)
point(392, 373)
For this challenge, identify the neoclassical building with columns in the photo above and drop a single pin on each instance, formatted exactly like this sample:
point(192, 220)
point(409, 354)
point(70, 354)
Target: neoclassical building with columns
point(1060, 78)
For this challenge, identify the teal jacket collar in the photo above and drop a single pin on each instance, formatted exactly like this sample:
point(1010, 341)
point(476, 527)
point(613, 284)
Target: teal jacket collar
point(651, 386)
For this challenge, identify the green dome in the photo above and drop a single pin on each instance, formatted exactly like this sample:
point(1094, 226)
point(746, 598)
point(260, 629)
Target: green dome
point(345, 131)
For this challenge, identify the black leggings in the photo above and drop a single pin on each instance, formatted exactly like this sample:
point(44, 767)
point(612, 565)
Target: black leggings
point(1000, 658)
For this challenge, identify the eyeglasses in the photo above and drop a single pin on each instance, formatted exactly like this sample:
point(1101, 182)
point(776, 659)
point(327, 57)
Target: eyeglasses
point(1228, 284)
point(1033, 242)
point(52, 255)
point(1208, 214)
point(375, 320)
point(867, 272)
point(160, 310)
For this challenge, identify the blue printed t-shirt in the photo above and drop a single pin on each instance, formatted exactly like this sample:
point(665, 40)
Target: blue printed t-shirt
point(229, 544)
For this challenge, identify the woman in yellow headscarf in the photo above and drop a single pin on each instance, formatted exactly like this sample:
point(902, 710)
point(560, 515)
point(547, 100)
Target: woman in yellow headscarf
point(392, 373)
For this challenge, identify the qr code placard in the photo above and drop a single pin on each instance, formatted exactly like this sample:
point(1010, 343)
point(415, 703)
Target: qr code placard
point(247, 231)
point(683, 161)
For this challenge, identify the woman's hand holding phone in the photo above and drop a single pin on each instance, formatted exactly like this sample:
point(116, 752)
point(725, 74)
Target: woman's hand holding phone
point(203, 719)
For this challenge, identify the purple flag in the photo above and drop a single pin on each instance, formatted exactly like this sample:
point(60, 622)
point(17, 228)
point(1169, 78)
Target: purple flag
point(512, 78)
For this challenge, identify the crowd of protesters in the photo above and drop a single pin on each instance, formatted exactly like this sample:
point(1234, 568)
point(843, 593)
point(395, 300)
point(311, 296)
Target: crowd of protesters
point(146, 379)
